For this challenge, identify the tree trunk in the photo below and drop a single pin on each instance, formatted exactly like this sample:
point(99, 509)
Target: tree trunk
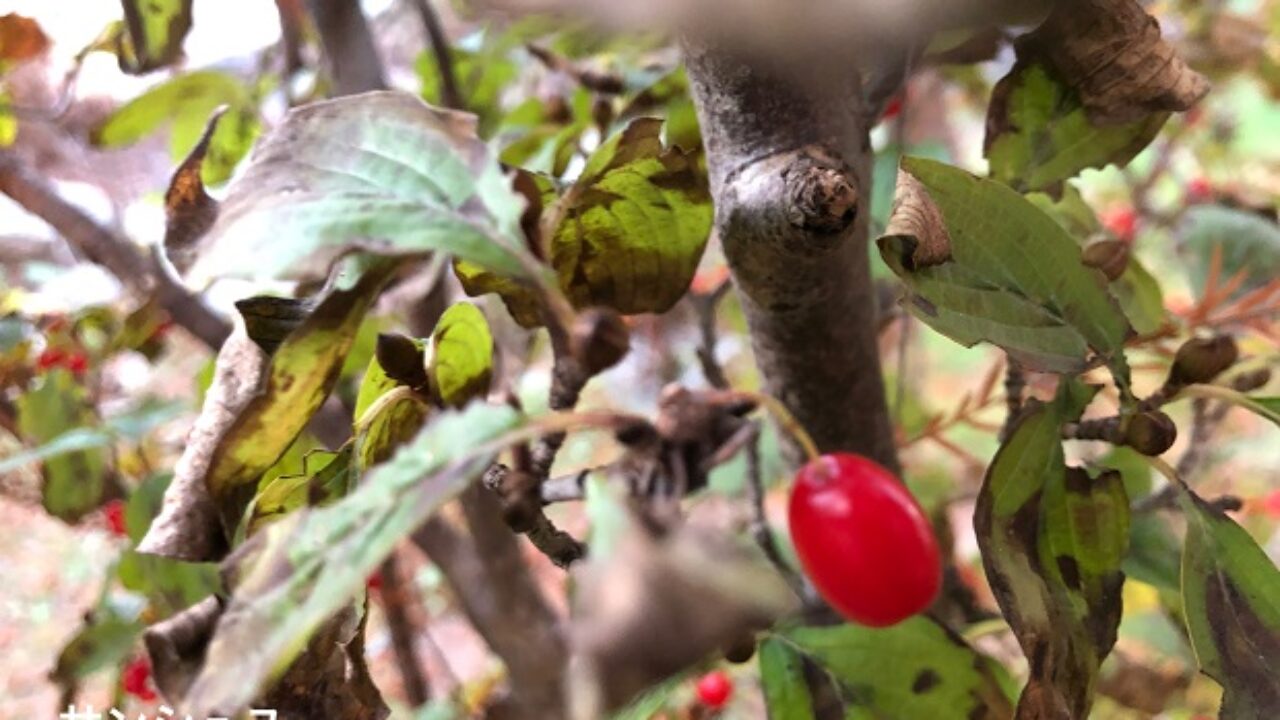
point(790, 163)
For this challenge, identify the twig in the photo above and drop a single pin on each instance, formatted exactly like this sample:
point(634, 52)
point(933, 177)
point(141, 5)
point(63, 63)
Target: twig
point(449, 93)
point(139, 273)
point(760, 530)
point(396, 601)
point(705, 307)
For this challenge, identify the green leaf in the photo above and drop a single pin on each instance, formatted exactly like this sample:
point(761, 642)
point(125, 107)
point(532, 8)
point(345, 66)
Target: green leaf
point(170, 585)
point(462, 355)
point(629, 233)
point(380, 172)
point(1231, 602)
point(186, 102)
point(483, 76)
point(1052, 540)
point(786, 694)
point(1140, 297)
point(154, 31)
point(1039, 134)
point(325, 478)
point(288, 579)
point(105, 639)
point(915, 669)
point(650, 701)
point(1011, 276)
point(74, 470)
point(1248, 242)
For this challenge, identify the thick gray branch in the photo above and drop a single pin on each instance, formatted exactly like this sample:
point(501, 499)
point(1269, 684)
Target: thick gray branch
point(790, 173)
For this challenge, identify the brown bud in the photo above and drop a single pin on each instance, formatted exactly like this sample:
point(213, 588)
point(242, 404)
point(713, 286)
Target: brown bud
point(741, 649)
point(1150, 433)
point(1200, 360)
point(1109, 256)
point(401, 359)
point(521, 502)
point(1251, 380)
point(602, 113)
point(599, 339)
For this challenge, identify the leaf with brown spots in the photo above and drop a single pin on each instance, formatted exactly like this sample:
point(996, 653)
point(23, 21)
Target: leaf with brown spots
point(915, 669)
point(1052, 541)
point(1231, 602)
point(189, 210)
point(254, 410)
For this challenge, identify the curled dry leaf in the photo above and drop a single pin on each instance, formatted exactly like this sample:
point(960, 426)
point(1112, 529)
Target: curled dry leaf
point(917, 219)
point(189, 210)
point(21, 38)
point(649, 606)
point(1112, 54)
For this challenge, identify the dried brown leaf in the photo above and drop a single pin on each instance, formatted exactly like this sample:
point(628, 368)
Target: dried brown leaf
point(917, 218)
point(189, 210)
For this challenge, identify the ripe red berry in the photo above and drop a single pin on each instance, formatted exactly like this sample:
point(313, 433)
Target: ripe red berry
point(863, 540)
point(1121, 222)
point(135, 679)
point(50, 358)
point(1199, 190)
point(77, 362)
point(114, 512)
point(373, 583)
point(714, 689)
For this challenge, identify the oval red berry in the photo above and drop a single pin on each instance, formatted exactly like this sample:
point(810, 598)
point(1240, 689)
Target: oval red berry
point(114, 511)
point(714, 689)
point(863, 540)
point(135, 679)
point(50, 358)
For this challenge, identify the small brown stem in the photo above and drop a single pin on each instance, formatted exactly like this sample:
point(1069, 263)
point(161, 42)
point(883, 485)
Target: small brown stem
point(397, 601)
point(705, 307)
point(1015, 385)
point(450, 95)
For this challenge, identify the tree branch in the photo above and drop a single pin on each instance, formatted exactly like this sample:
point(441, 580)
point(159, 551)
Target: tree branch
point(354, 65)
point(789, 158)
point(449, 93)
point(140, 273)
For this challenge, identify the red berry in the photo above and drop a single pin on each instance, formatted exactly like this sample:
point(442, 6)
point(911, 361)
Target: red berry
point(892, 109)
point(1271, 504)
point(863, 540)
point(1199, 190)
point(136, 679)
point(714, 689)
point(77, 362)
point(114, 511)
point(374, 582)
point(1121, 222)
point(161, 330)
point(50, 358)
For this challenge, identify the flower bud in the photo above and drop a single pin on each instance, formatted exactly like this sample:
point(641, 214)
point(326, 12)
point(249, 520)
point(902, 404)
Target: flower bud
point(1200, 360)
point(599, 339)
point(1109, 256)
point(401, 359)
point(1150, 433)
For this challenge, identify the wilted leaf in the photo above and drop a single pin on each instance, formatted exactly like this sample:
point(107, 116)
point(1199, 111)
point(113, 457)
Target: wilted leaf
point(295, 574)
point(380, 172)
point(75, 469)
point(461, 355)
point(253, 412)
point(1231, 601)
point(786, 694)
point(1038, 133)
point(186, 103)
point(1247, 242)
point(20, 38)
point(1111, 54)
point(629, 232)
point(188, 209)
point(1015, 277)
point(155, 30)
point(916, 668)
point(1052, 540)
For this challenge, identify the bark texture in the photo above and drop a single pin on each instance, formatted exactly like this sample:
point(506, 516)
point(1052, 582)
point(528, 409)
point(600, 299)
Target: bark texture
point(789, 159)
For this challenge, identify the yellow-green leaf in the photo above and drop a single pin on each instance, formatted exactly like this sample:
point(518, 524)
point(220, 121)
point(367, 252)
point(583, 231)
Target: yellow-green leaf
point(461, 355)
